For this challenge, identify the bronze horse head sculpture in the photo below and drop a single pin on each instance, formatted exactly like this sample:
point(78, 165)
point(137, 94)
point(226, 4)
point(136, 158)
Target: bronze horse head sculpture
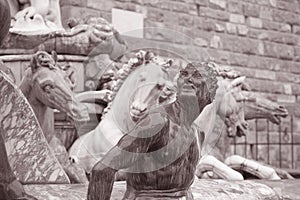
point(47, 87)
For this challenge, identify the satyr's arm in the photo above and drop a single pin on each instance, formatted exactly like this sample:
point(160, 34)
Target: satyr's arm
point(122, 156)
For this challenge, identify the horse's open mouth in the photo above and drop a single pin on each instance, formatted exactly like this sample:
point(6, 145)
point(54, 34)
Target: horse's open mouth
point(276, 117)
point(137, 114)
point(241, 131)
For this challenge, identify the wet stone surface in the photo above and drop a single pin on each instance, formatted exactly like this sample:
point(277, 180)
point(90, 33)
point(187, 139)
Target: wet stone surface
point(202, 189)
point(28, 152)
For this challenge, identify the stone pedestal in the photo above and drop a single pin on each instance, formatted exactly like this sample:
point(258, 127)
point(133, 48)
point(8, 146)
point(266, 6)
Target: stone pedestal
point(201, 189)
point(28, 151)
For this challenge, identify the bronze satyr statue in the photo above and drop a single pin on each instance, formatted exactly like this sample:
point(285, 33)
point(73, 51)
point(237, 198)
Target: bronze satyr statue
point(10, 187)
point(160, 155)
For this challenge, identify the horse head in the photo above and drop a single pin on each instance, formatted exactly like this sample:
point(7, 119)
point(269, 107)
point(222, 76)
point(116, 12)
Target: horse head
point(232, 108)
point(258, 107)
point(154, 89)
point(49, 86)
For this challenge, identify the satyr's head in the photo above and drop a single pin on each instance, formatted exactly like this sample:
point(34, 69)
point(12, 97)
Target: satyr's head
point(200, 79)
point(49, 86)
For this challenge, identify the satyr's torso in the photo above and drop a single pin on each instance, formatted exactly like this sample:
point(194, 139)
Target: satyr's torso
point(179, 158)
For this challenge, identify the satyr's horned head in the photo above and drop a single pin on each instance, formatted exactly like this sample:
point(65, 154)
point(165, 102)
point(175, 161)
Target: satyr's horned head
point(202, 77)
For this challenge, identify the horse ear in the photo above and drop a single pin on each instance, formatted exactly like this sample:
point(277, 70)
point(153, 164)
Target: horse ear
point(248, 96)
point(236, 82)
point(246, 87)
point(54, 56)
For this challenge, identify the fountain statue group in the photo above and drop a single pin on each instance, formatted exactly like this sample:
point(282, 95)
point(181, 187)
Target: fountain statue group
point(163, 124)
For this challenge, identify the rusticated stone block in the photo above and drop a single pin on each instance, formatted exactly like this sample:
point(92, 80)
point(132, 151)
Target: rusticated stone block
point(230, 43)
point(295, 89)
point(155, 14)
point(286, 17)
point(265, 74)
point(273, 3)
point(179, 7)
point(288, 77)
point(215, 14)
point(78, 13)
point(255, 22)
point(240, 44)
point(265, 13)
point(208, 24)
point(289, 6)
point(279, 50)
point(276, 26)
point(100, 4)
point(82, 3)
point(242, 29)
point(220, 27)
point(296, 30)
point(219, 56)
point(231, 28)
point(266, 86)
point(287, 88)
point(294, 67)
point(185, 20)
point(284, 38)
point(217, 4)
point(248, 72)
point(29, 154)
point(258, 34)
point(215, 42)
point(263, 2)
point(237, 18)
point(140, 2)
point(200, 42)
point(193, 9)
point(238, 59)
point(297, 53)
point(170, 18)
point(201, 2)
point(235, 7)
point(251, 10)
point(286, 98)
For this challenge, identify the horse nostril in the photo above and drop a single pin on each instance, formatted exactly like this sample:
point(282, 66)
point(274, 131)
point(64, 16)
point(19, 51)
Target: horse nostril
point(281, 107)
point(74, 110)
point(72, 160)
point(143, 109)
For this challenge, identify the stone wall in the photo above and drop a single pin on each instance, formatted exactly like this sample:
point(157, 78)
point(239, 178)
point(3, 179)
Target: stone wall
point(260, 38)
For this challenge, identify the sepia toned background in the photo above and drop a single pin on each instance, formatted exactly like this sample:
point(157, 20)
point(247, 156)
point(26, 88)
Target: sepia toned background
point(259, 38)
